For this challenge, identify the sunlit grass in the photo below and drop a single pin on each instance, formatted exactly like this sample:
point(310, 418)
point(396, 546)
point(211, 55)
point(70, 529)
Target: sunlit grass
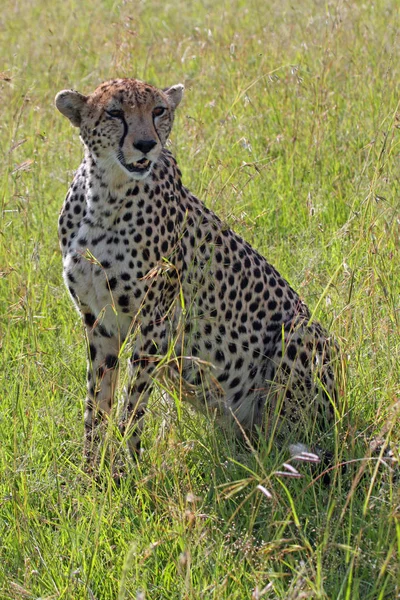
point(289, 130)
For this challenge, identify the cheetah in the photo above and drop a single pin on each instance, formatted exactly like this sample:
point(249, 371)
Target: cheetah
point(146, 262)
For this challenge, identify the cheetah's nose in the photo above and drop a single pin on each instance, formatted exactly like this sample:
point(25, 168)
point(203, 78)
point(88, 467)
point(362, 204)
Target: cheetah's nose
point(145, 145)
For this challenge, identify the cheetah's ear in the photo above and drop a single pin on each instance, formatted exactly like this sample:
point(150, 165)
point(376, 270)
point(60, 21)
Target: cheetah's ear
point(175, 94)
point(70, 104)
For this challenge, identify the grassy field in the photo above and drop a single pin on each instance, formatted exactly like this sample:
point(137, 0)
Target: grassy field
point(290, 131)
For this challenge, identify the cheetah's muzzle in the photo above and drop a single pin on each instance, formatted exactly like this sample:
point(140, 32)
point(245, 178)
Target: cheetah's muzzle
point(140, 166)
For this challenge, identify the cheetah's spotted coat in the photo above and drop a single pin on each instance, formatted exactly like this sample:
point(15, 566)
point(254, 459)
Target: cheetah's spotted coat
point(135, 242)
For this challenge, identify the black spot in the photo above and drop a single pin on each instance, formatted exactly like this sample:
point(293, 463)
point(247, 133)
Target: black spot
point(291, 351)
point(237, 397)
point(234, 383)
point(98, 239)
point(239, 363)
point(89, 319)
point(123, 300)
point(92, 352)
point(112, 283)
point(103, 331)
point(223, 377)
point(253, 372)
point(237, 267)
point(276, 317)
point(304, 359)
point(111, 361)
point(219, 356)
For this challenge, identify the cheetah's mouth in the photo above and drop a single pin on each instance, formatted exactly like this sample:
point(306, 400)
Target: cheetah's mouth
point(141, 166)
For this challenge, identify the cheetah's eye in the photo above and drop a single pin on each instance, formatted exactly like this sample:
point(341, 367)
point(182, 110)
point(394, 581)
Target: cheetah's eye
point(116, 114)
point(158, 111)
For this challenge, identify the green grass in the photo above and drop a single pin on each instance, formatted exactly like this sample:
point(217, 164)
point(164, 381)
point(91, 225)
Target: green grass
point(289, 130)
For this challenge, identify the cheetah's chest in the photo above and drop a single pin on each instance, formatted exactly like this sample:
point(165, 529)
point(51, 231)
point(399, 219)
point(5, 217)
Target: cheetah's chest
point(102, 268)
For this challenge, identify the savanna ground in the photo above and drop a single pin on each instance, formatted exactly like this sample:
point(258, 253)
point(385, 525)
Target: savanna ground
point(289, 130)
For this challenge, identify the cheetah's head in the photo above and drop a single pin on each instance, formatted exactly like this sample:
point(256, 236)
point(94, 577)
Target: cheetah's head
point(124, 124)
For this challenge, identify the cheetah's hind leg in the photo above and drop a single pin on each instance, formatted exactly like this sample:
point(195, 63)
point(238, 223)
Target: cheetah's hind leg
point(303, 411)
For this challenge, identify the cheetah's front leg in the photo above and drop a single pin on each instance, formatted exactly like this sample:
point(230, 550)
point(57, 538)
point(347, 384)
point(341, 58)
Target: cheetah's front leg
point(102, 370)
point(142, 366)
